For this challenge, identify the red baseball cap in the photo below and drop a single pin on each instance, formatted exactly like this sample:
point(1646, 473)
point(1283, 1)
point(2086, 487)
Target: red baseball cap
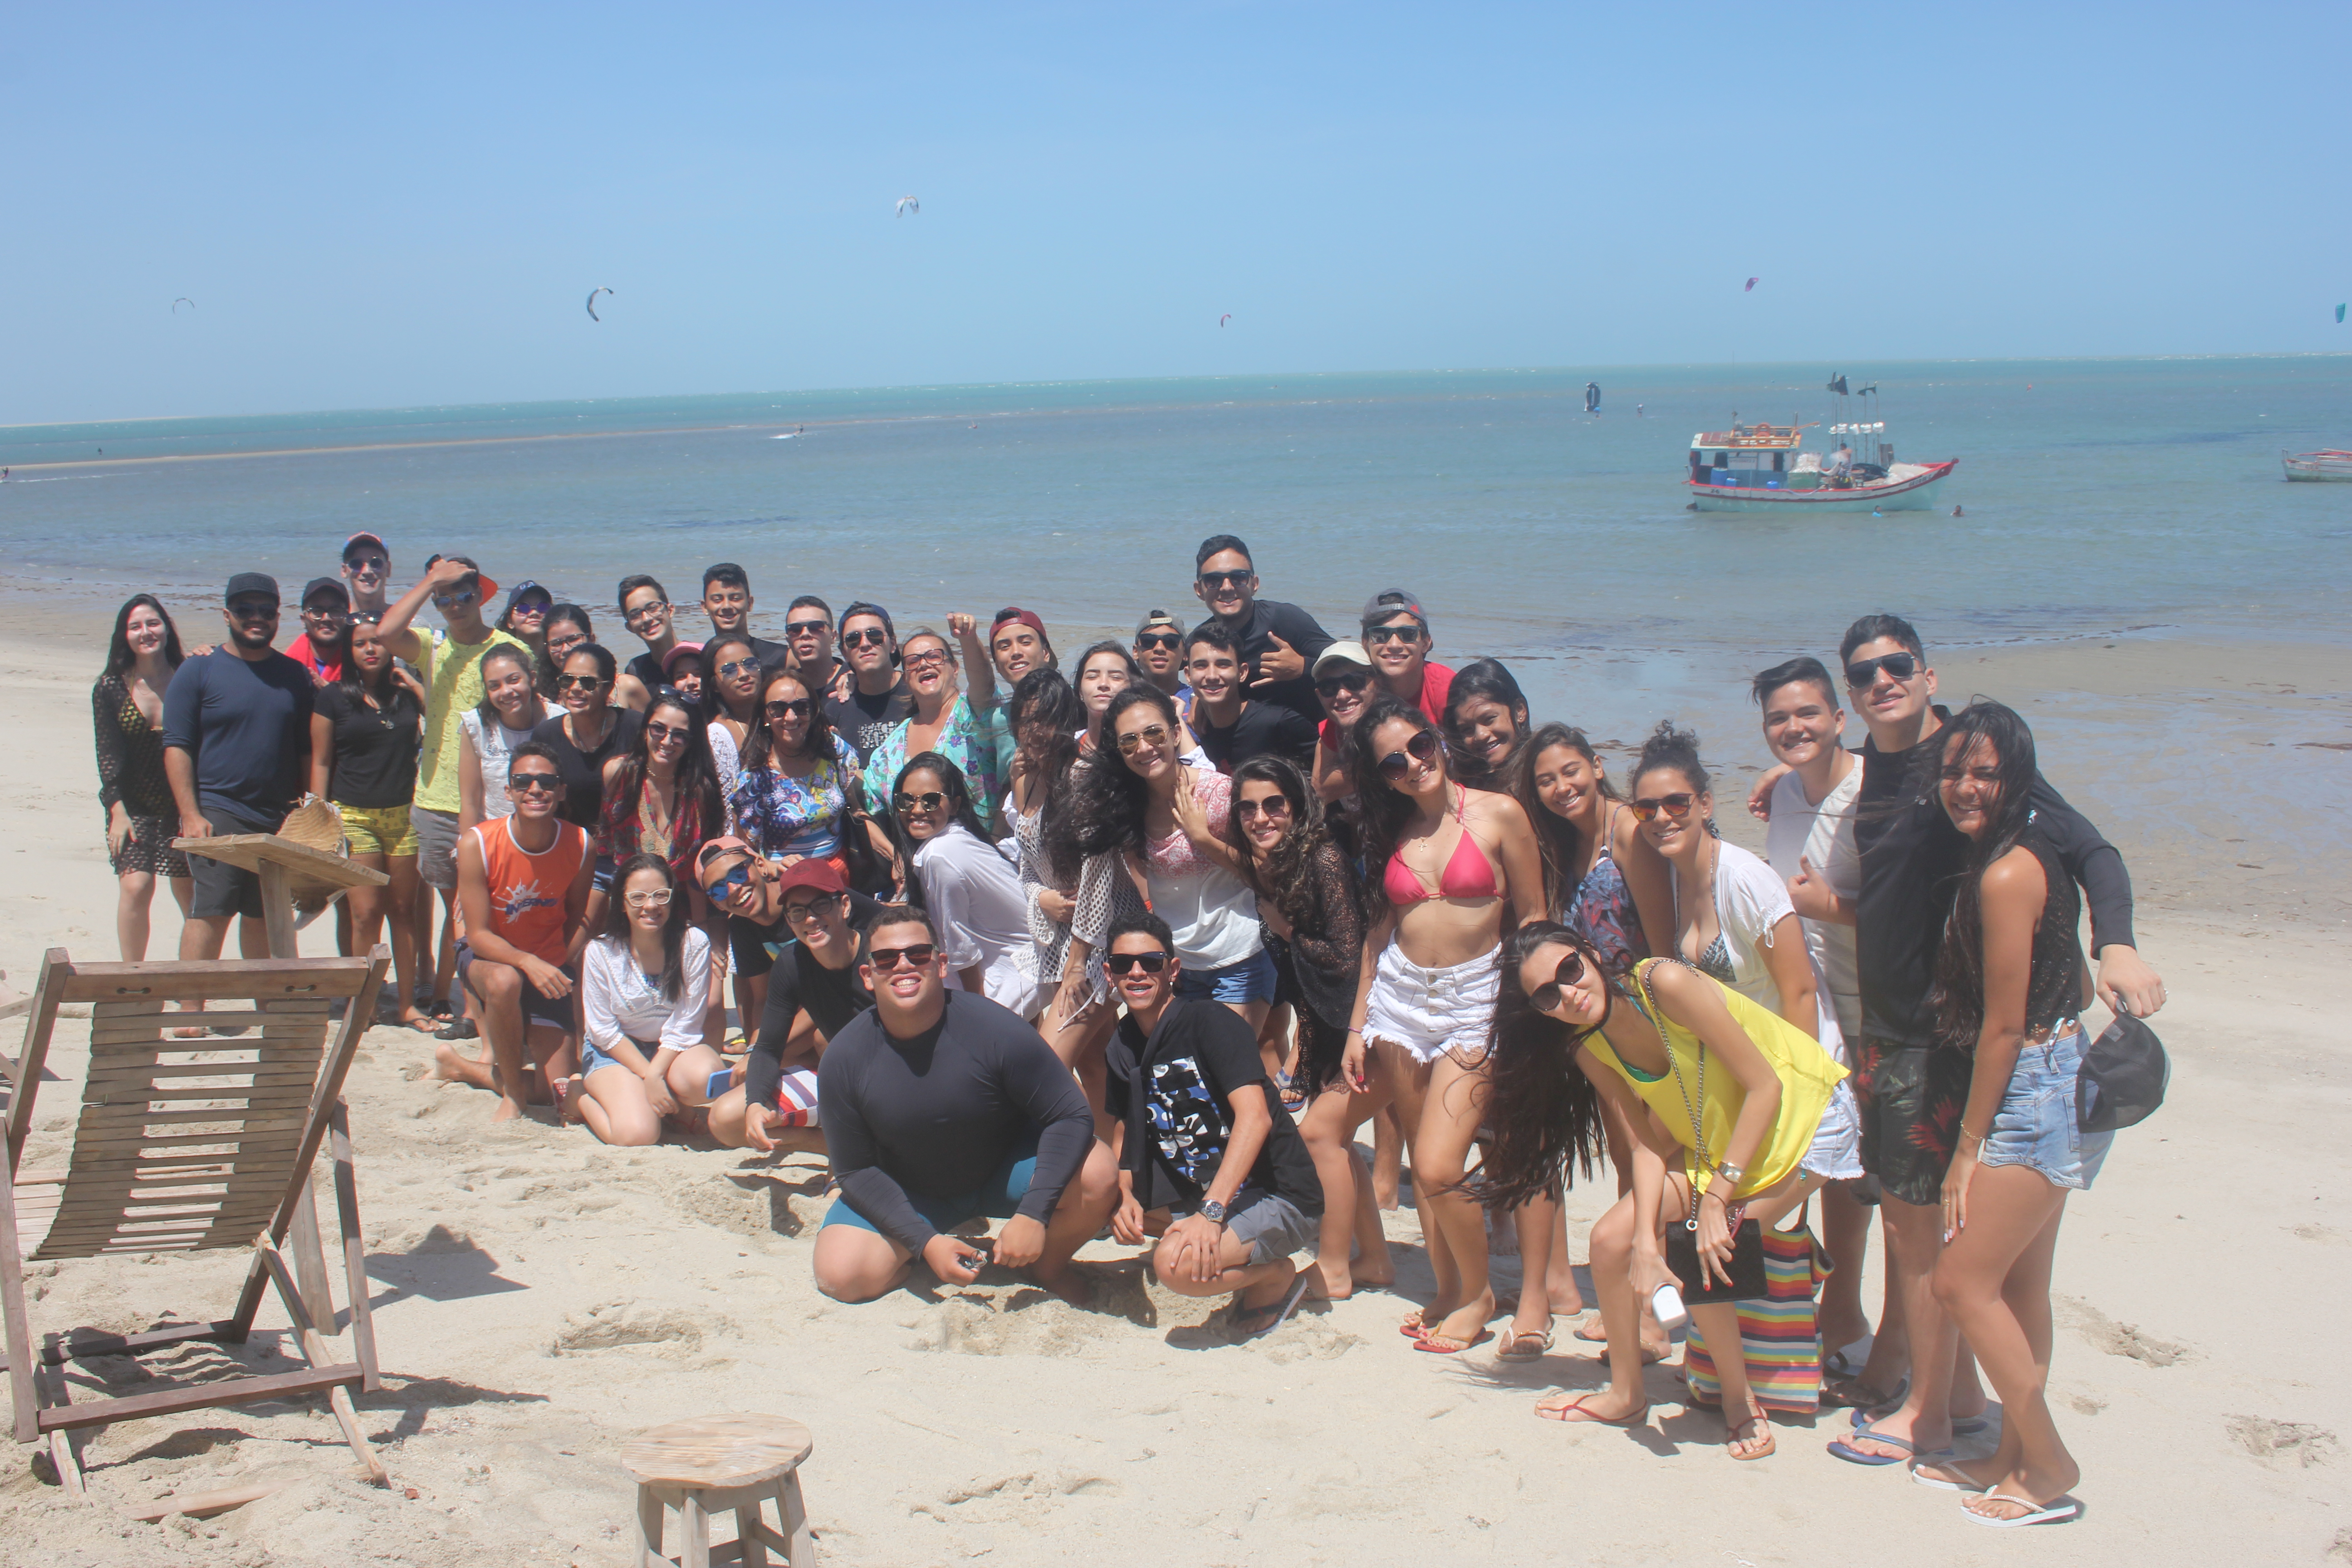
point(814, 872)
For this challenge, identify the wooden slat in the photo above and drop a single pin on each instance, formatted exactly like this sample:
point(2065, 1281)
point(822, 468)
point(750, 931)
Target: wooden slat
point(284, 1108)
point(200, 1396)
point(295, 979)
point(115, 1082)
point(89, 1343)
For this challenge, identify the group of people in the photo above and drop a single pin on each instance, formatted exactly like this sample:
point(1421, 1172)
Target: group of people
point(1142, 941)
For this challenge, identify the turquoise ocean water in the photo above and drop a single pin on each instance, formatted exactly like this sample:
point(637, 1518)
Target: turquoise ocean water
point(2135, 499)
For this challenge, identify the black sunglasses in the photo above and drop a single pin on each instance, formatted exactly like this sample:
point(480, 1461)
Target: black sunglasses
point(1419, 749)
point(1157, 639)
point(657, 732)
point(798, 708)
point(1863, 673)
point(1347, 680)
point(1545, 998)
point(885, 959)
point(1377, 635)
point(1216, 580)
point(542, 784)
point(1126, 962)
point(254, 612)
point(806, 629)
point(865, 635)
point(587, 682)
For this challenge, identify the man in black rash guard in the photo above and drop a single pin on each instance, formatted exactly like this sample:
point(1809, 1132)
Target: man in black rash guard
point(1279, 641)
point(940, 1106)
point(814, 989)
point(1909, 1089)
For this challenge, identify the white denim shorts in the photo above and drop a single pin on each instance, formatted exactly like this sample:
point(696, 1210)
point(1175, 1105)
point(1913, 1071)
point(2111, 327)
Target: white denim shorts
point(1432, 1012)
point(1836, 1152)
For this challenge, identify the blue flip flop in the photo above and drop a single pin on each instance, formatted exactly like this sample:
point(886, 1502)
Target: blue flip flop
point(1966, 1427)
point(1853, 1455)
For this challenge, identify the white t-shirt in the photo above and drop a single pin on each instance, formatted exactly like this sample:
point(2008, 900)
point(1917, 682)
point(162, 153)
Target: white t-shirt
point(1824, 835)
point(975, 899)
point(1749, 900)
point(495, 743)
point(617, 998)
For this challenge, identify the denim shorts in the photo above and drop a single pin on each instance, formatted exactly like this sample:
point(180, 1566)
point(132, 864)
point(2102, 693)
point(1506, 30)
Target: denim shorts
point(2036, 1125)
point(1252, 979)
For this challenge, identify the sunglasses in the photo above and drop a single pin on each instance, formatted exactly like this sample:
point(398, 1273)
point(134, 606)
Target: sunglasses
point(253, 611)
point(925, 660)
point(814, 909)
point(1272, 806)
point(565, 644)
point(798, 708)
point(806, 629)
point(869, 635)
point(1154, 735)
point(375, 563)
point(1353, 680)
point(326, 613)
point(655, 608)
point(658, 733)
point(736, 881)
point(885, 959)
point(535, 784)
point(930, 800)
point(1545, 998)
point(1381, 635)
point(1863, 673)
point(1128, 962)
point(1212, 581)
point(534, 607)
point(734, 667)
point(1675, 805)
point(658, 900)
point(451, 601)
point(580, 682)
point(1419, 749)
point(1157, 639)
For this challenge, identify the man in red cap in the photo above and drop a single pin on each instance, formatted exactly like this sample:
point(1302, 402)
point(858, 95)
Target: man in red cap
point(367, 571)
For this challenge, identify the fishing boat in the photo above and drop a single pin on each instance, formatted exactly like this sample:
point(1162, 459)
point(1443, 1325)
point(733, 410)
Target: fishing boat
point(1762, 467)
point(2331, 464)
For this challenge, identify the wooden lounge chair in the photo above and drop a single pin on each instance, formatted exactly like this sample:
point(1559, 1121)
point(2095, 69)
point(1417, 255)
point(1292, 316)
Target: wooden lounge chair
point(172, 1154)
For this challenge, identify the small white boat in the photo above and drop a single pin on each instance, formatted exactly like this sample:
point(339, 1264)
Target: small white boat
point(2331, 464)
point(1758, 467)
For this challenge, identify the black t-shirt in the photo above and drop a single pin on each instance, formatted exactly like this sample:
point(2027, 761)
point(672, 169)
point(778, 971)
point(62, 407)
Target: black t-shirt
point(1177, 1126)
point(584, 772)
point(797, 983)
point(1263, 729)
point(865, 721)
point(1270, 618)
point(648, 669)
point(376, 748)
point(1911, 861)
point(938, 1115)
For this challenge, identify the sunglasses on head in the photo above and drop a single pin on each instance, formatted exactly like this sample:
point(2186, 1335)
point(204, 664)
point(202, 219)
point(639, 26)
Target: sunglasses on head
point(806, 629)
point(1154, 735)
point(542, 783)
point(797, 708)
point(1127, 963)
point(1546, 997)
point(1379, 635)
point(885, 959)
point(1863, 673)
point(1675, 805)
point(1212, 581)
point(1346, 680)
point(930, 800)
point(864, 635)
point(1419, 749)
point(1272, 806)
point(1157, 639)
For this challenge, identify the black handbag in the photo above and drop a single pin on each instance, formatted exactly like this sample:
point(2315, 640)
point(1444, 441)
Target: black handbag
point(2123, 1077)
point(1748, 1281)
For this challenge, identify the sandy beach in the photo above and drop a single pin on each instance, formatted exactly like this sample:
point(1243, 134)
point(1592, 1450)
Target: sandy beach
point(540, 1299)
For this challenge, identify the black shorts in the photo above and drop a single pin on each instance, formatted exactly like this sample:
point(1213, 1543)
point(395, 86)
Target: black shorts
point(554, 1012)
point(223, 889)
point(1910, 1098)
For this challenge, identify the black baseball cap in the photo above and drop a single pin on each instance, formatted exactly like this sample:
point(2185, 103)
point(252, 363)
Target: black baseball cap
point(246, 582)
point(1393, 601)
point(332, 585)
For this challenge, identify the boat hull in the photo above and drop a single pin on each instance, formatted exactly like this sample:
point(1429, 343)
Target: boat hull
point(1915, 492)
point(2324, 466)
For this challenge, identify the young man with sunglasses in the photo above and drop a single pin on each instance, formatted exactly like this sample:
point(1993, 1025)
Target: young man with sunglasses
point(647, 611)
point(1159, 650)
point(878, 699)
point(941, 1106)
point(236, 727)
point(1910, 1088)
point(449, 663)
point(1199, 1140)
point(326, 634)
point(808, 632)
point(803, 924)
point(1396, 634)
point(367, 572)
point(1279, 641)
point(1233, 728)
point(727, 600)
point(523, 881)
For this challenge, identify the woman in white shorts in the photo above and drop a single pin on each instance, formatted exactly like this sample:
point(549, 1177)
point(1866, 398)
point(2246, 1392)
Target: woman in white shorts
point(1448, 867)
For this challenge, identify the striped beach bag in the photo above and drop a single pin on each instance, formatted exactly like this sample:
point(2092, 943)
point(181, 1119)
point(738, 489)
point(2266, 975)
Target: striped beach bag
point(1778, 1334)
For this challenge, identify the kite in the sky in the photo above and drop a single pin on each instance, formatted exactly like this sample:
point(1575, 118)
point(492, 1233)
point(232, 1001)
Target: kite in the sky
point(1229, 316)
point(191, 304)
point(591, 303)
point(907, 205)
point(1751, 285)
point(2339, 315)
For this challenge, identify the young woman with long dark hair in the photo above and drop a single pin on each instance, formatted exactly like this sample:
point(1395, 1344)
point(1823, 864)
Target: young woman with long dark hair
point(1314, 917)
point(1105, 669)
point(1724, 1098)
point(644, 981)
point(127, 720)
point(2009, 985)
point(731, 696)
point(1450, 869)
point(968, 885)
point(1486, 722)
point(509, 713)
point(365, 732)
point(588, 734)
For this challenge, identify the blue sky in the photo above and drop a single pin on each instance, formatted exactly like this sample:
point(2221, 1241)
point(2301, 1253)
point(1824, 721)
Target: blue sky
point(381, 205)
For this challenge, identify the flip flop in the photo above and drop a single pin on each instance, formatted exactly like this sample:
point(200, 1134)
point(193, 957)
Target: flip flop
point(1513, 1339)
point(1918, 1474)
point(1852, 1391)
point(1275, 1316)
point(1853, 1455)
point(1966, 1427)
point(1771, 1444)
point(1574, 1411)
point(2056, 1512)
point(1414, 1327)
point(1436, 1344)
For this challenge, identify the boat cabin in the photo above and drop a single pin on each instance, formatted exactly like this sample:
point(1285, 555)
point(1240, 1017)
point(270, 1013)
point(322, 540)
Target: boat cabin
point(1754, 457)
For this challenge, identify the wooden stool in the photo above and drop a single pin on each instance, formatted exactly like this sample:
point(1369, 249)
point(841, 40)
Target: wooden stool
point(713, 1464)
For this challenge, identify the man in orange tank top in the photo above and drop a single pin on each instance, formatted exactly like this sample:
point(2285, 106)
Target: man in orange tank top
point(522, 890)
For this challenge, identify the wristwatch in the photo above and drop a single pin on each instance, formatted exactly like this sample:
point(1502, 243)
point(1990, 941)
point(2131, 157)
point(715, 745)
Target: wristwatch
point(1213, 1210)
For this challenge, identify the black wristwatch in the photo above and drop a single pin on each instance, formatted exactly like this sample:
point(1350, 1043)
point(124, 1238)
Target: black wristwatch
point(1212, 1209)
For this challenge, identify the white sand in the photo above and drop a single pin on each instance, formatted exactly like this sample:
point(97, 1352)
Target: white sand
point(540, 1299)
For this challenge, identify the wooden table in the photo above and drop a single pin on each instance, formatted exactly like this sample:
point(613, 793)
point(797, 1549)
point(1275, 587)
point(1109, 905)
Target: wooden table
point(284, 866)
